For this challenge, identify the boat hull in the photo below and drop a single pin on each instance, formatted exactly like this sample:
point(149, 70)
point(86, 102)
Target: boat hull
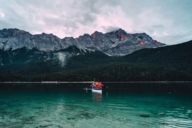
point(97, 91)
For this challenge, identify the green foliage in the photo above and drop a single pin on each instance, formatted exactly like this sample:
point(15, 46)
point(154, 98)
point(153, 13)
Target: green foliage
point(165, 63)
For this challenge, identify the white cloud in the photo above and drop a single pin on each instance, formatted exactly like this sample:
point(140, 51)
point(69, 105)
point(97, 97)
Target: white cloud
point(167, 21)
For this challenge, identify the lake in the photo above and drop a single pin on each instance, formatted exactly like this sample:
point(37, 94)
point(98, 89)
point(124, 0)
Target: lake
point(81, 109)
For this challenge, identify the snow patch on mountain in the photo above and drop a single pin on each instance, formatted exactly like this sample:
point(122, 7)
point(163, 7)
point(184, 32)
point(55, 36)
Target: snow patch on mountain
point(62, 57)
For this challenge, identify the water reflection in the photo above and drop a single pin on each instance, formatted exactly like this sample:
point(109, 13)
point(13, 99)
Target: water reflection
point(85, 110)
point(97, 97)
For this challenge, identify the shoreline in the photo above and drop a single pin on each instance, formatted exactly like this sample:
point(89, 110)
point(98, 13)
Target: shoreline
point(87, 82)
point(168, 87)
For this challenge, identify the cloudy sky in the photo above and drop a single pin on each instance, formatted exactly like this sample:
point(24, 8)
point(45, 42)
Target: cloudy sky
point(168, 21)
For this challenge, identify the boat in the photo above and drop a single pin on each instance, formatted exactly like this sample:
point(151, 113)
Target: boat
point(96, 87)
point(97, 90)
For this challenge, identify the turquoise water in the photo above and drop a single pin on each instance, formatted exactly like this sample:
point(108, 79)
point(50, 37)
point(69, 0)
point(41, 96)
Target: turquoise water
point(87, 110)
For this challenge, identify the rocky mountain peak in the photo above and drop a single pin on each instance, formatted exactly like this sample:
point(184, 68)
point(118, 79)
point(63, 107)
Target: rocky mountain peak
point(115, 43)
point(96, 34)
point(12, 32)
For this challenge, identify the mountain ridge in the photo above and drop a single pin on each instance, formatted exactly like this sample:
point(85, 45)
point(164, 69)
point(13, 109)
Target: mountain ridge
point(115, 43)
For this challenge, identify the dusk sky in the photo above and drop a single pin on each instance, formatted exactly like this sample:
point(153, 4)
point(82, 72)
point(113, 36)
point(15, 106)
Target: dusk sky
point(168, 21)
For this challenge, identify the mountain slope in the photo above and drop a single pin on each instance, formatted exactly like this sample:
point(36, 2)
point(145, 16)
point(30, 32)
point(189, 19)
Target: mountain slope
point(176, 55)
point(165, 63)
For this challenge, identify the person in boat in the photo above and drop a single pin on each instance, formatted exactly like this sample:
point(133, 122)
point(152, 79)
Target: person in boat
point(97, 85)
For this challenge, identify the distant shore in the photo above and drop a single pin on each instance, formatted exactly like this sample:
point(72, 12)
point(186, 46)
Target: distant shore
point(169, 87)
point(87, 82)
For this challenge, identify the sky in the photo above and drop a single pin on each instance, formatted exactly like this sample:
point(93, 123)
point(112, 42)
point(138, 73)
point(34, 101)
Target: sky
point(168, 21)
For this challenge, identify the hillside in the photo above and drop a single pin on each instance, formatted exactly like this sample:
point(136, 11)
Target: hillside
point(165, 63)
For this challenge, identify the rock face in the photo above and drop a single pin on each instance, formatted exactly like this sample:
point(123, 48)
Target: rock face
point(115, 43)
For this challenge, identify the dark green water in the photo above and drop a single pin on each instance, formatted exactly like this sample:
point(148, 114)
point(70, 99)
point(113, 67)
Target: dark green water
point(53, 109)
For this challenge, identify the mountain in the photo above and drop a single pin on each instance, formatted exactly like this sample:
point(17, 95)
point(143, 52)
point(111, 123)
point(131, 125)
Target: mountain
point(173, 54)
point(25, 56)
point(115, 43)
point(169, 63)
point(164, 63)
point(112, 56)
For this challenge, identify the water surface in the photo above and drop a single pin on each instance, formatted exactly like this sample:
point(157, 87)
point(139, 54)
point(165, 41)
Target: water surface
point(61, 109)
